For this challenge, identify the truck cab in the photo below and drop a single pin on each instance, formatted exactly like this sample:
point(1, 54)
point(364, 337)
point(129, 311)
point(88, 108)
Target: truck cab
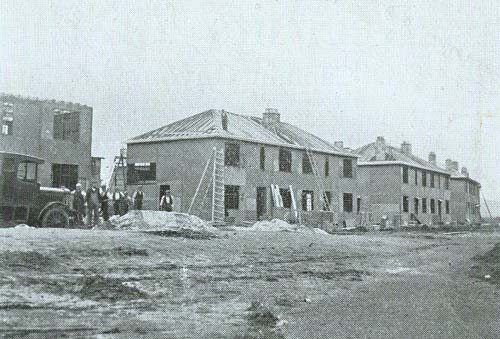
point(23, 200)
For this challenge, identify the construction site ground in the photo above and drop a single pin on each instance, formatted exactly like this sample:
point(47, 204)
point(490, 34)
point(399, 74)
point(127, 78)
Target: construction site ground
point(248, 284)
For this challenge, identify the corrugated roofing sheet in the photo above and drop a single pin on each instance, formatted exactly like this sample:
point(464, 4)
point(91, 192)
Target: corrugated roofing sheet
point(209, 124)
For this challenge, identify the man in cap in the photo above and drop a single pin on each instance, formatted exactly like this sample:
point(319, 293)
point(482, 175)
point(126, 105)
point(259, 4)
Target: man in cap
point(92, 199)
point(103, 200)
point(79, 204)
point(167, 202)
point(138, 197)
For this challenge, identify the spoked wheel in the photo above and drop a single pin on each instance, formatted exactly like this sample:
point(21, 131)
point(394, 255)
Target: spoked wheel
point(56, 217)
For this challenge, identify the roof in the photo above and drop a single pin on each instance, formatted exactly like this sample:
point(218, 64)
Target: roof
point(383, 154)
point(460, 176)
point(208, 124)
point(24, 156)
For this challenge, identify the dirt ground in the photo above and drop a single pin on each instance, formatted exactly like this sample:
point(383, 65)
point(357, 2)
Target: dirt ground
point(244, 284)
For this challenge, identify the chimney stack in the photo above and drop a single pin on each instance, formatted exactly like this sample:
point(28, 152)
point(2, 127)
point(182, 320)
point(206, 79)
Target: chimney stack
point(339, 144)
point(406, 148)
point(380, 141)
point(464, 171)
point(270, 117)
point(454, 165)
point(432, 158)
point(449, 165)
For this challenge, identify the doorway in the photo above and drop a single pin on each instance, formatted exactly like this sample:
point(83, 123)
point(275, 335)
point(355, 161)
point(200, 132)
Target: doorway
point(261, 202)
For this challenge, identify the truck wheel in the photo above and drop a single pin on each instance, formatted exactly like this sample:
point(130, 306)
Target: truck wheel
point(55, 217)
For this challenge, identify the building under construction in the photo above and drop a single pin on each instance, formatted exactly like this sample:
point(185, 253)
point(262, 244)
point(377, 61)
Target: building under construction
point(225, 166)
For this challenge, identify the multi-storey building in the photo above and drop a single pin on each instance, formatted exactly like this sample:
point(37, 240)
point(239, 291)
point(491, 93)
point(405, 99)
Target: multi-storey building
point(465, 195)
point(262, 157)
point(402, 187)
point(58, 132)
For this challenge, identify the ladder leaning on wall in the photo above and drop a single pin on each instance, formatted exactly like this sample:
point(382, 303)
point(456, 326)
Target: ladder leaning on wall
point(215, 182)
point(318, 179)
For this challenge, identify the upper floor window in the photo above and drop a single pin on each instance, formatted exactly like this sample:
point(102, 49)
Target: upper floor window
point(232, 154)
point(424, 178)
point(416, 177)
point(262, 158)
point(67, 125)
point(145, 171)
point(405, 174)
point(306, 164)
point(285, 160)
point(327, 167)
point(347, 168)
point(432, 180)
point(446, 183)
point(7, 118)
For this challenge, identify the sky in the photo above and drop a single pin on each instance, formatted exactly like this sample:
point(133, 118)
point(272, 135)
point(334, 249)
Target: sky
point(426, 72)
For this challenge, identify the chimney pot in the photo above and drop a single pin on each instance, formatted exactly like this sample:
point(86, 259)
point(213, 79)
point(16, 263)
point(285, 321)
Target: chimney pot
point(339, 144)
point(406, 148)
point(270, 117)
point(432, 158)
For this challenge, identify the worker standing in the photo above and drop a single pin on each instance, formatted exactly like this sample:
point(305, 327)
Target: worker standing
point(104, 199)
point(117, 197)
point(92, 199)
point(124, 206)
point(138, 197)
point(167, 202)
point(79, 204)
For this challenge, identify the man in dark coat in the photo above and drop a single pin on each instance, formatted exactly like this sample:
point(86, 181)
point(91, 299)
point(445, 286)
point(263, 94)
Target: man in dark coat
point(79, 204)
point(138, 197)
point(103, 200)
point(167, 202)
point(92, 199)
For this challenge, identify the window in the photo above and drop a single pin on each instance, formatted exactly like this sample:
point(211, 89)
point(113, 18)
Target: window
point(347, 168)
point(286, 197)
point(424, 205)
point(327, 167)
point(145, 171)
point(466, 186)
point(262, 158)
point(438, 180)
point(27, 171)
point(405, 204)
point(432, 180)
point(424, 178)
point(416, 177)
point(447, 206)
point(231, 197)
point(433, 206)
point(307, 200)
point(64, 175)
point(7, 118)
point(285, 160)
point(415, 206)
point(447, 183)
point(232, 155)
point(67, 126)
point(306, 164)
point(327, 200)
point(358, 205)
point(405, 174)
point(347, 200)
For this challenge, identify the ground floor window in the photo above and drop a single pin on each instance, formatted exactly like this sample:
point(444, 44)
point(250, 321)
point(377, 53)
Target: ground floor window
point(286, 197)
point(347, 199)
point(447, 207)
point(358, 205)
point(231, 197)
point(405, 204)
point(415, 205)
point(64, 175)
point(433, 206)
point(307, 200)
point(424, 205)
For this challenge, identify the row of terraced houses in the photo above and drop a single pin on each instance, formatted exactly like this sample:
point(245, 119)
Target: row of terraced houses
point(272, 169)
point(322, 182)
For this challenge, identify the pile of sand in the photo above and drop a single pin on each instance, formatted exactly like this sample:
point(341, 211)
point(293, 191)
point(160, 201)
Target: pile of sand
point(164, 223)
point(277, 225)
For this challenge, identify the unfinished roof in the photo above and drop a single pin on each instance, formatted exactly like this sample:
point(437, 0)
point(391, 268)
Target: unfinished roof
point(380, 153)
point(221, 124)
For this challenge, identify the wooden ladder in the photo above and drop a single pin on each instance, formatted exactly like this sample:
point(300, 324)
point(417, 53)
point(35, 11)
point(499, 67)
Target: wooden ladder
point(318, 179)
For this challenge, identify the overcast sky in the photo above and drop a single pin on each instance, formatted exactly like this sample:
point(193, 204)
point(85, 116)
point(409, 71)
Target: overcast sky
point(427, 72)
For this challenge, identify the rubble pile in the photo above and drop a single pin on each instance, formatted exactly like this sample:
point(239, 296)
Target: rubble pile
point(277, 225)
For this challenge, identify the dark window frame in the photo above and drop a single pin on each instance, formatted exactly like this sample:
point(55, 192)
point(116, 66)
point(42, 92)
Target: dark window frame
point(232, 154)
point(406, 204)
point(447, 206)
point(347, 202)
point(307, 167)
point(424, 205)
point(416, 177)
point(405, 174)
point(433, 183)
point(262, 158)
point(65, 175)
point(424, 179)
point(285, 160)
point(231, 197)
point(304, 200)
point(416, 206)
point(347, 168)
point(141, 172)
point(286, 197)
point(433, 206)
point(67, 126)
point(327, 167)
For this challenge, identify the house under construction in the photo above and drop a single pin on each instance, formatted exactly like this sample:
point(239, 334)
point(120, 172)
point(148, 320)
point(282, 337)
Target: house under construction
point(225, 166)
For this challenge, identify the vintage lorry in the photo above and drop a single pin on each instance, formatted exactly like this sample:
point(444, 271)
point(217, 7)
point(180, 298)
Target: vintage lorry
point(23, 200)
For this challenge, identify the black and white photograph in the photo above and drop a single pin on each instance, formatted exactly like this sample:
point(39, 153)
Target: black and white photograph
point(249, 169)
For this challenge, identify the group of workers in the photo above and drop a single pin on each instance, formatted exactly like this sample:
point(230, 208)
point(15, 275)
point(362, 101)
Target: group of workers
point(95, 203)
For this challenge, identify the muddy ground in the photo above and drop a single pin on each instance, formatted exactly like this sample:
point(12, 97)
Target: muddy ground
point(242, 284)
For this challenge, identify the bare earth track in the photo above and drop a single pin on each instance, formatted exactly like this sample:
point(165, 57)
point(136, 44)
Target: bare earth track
point(242, 284)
